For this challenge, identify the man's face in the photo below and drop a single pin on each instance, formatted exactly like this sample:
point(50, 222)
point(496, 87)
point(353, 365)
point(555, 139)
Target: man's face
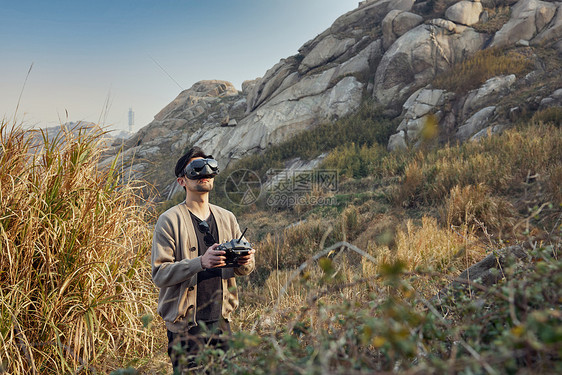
point(203, 185)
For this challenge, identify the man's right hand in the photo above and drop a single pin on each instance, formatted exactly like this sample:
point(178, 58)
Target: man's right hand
point(213, 258)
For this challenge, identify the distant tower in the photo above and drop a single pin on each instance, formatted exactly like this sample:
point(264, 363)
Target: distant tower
point(131, 120)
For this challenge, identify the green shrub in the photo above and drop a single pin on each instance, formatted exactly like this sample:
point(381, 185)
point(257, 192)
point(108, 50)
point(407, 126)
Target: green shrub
point(352, 160)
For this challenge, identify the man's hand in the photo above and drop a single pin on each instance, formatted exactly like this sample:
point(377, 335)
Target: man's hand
point(246, 259)
point(213, 258)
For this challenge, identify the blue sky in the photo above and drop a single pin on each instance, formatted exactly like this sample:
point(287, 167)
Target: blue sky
point(95, 59)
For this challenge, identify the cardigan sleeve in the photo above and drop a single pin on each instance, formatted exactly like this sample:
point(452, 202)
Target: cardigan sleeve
point(166, 271)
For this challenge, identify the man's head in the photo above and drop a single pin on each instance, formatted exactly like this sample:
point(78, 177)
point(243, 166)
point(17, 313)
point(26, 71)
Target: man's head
point(196, 176)
point(192, 153)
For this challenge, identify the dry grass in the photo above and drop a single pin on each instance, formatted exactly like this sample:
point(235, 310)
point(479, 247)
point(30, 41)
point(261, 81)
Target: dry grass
point(281, 253)
point(477, 207)
point(554, 185)
point(74, 276)
point(501, 163)
point(497, 17)
point(428, 250)
point(475, 70)
point(330, 296)
point(431, 247)
point(274, 287)
point(469, 184)
point(293, 246)
point(83, 236)
point(287, 292)
point(550, 115)
point(412, 185)
point(326, 311)
point(290, 247)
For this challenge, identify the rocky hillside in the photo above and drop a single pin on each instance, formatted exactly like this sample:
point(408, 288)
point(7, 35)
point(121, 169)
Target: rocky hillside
point(397, 53)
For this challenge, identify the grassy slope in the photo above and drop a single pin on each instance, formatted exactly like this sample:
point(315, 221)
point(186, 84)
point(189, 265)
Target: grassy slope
point(421, 217)
point(431, 212)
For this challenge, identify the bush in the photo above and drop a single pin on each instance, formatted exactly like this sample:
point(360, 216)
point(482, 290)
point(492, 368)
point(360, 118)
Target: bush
point(515, 324)
point(430, 247)
point(352, 160)
point(74, 241)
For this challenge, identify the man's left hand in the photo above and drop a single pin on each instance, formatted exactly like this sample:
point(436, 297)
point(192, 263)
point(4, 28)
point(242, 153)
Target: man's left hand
point(246, 259)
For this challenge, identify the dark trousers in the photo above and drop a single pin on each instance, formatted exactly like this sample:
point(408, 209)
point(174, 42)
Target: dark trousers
point(183, 347)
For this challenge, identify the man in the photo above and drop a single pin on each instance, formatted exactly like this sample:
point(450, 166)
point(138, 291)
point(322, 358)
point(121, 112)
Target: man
point(197, 295)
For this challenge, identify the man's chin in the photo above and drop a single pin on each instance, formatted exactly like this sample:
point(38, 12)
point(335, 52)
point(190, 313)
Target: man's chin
point(204, 184)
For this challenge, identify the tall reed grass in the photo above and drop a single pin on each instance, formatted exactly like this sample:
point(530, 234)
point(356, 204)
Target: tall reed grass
point(74, 240)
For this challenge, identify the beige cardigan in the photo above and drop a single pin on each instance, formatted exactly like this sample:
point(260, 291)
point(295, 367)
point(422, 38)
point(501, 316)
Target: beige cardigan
point(176, 262)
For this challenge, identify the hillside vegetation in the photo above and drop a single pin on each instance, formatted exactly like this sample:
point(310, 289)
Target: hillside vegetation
point(415, 220)
point(354, 277)
point(341, 288)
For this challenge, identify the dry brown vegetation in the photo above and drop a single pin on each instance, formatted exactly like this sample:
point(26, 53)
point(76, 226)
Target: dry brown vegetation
point(413, 220)
point(475, 70)
point(420, 218)
point(431, 214)
point(502, 164)
point(75, 281)
point(497, 17)
point(74, 277)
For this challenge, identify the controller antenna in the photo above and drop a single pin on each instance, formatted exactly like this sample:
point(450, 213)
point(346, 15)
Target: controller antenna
point(242, 235)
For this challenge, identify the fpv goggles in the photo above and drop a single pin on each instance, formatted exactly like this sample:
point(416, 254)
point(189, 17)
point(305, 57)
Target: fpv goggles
point(201, 168)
